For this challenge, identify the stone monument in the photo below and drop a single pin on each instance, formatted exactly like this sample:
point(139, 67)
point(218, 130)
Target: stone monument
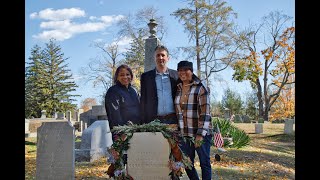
point(150, 44)
point(55, 158)
point(148, 156)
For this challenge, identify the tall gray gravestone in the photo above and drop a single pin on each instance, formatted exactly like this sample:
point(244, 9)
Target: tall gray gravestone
point(148, 156)
point(55, 151)
point(150, 44)
point(288, 126)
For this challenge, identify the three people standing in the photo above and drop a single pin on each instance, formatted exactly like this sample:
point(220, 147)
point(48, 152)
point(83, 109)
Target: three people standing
point(173, 97)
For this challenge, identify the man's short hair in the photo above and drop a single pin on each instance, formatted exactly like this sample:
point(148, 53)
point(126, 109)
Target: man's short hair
point(161, 47)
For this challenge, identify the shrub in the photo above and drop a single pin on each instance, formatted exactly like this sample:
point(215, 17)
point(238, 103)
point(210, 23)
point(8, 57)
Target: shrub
point(239, 137)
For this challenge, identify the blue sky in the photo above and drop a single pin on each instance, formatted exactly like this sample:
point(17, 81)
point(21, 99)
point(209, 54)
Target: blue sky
point(76, 24)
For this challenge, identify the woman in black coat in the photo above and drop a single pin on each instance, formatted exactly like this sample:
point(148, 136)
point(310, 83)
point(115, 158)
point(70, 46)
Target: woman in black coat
point(122, 100)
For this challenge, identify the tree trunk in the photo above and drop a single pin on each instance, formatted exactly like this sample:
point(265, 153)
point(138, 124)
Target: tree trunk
point(259, 95)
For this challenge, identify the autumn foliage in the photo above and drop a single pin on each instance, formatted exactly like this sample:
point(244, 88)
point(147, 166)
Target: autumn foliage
point(270, 70)
point(87, 104)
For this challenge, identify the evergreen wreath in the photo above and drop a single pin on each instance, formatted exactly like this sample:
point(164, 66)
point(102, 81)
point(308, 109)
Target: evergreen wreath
point(122, 135)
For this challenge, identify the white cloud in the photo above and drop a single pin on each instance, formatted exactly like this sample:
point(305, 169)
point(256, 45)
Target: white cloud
point(61, 27)
point(59, 14)
point(33, 15)
point(111, 19)
point(55, 24)
point(92, 18)
point(56, 34)
point(124, 41)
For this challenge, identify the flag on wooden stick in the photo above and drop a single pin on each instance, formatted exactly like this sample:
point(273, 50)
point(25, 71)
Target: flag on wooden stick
point(217, 138)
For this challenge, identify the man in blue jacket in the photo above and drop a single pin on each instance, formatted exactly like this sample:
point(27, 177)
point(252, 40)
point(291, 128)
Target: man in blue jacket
point(158, 89)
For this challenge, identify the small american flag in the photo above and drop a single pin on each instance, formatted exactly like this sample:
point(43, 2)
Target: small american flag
point(217, 138)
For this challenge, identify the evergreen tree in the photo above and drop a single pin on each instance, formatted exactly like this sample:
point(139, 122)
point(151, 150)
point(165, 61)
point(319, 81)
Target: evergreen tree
point(232, 101)
point(251, 108)
point(32, 86)
point(134, 57)
point(48, 81)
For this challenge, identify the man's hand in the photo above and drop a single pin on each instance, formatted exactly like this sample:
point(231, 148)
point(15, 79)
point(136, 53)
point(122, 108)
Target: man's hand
point(198, 141)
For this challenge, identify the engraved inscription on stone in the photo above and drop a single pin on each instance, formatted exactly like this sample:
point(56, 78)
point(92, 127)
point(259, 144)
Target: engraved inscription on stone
point(148, 156)
point(55, 151)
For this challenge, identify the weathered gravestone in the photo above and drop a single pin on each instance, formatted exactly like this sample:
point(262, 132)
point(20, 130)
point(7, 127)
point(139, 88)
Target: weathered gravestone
point(94, 141)
point(245, 119)
point(288, 126)
point(26, 126)
point(55, 151)
point(43, 114)
point(61, 116)
point(148, 156)
point(258, 128)
point(238, 118)
point(69, 117)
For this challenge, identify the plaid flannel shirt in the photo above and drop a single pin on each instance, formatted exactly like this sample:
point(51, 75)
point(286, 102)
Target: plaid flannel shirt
point(194, 116)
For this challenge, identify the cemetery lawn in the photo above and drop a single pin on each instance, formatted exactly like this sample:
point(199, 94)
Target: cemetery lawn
point(270, 155)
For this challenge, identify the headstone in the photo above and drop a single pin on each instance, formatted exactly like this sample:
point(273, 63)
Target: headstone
point(288, 126)
point(26, 128)
point(226, 113)
point(148, 156)
point(80, 111)
point(237, 118)
point(258, 128)
point(43, 114)
point(96, 139)
point(69, 115)
point(81, 126)
point(246, 119)
point(55, 151)
point(26, 125)
point(98, 110)
point(61, 116)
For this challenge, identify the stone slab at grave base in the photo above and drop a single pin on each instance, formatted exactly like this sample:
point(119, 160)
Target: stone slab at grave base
point(148, 156)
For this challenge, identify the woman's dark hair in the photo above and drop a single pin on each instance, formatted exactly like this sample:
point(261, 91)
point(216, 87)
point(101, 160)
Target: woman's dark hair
point(118, 70)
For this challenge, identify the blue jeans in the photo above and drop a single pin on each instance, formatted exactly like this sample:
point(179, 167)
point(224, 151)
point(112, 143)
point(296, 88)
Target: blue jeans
point(204, 156)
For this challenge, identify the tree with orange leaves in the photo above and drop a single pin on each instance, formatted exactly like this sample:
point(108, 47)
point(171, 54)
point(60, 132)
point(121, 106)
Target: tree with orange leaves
point(87, 104)
point(269, 70)
point(284, 107)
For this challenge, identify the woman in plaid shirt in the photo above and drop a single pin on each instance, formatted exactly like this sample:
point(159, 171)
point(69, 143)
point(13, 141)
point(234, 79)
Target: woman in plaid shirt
point(193, 111)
